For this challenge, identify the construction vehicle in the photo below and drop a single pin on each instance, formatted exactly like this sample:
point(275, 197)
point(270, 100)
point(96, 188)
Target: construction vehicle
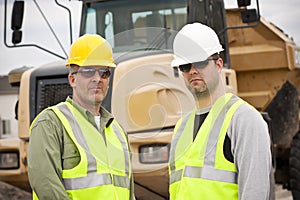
point(147, 96)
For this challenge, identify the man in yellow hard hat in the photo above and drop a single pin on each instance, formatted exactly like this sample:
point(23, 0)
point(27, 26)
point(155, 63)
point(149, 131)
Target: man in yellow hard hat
point(77, 150)
point(221, 149)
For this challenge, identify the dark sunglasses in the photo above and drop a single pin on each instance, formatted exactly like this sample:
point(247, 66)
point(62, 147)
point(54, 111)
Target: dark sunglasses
point(199, 65)
point(88, 73)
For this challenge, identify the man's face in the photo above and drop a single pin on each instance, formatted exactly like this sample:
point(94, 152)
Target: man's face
point(203, 80)
point(89, 87)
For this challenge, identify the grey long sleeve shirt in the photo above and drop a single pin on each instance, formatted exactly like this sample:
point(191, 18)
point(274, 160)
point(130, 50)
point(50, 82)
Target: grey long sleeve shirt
point(251, 149)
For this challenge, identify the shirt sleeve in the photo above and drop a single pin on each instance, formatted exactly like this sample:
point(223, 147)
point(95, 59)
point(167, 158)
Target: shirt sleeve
point(44, 158)
point(251, 148)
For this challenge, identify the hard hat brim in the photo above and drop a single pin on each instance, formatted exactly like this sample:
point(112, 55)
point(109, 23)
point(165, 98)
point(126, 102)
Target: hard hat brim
point(91, 63)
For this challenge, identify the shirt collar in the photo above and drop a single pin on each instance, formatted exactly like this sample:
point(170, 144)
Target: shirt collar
point(106, 116)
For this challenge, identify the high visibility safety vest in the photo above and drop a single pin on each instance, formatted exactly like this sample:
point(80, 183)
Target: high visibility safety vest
point(199, 170)
point(104, 170)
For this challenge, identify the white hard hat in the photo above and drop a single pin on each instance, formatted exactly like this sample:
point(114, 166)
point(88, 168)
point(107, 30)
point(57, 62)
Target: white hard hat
point(193, 43)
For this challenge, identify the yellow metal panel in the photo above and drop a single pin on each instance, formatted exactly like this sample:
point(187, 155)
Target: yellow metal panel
point(259, 100)
point(24, 105)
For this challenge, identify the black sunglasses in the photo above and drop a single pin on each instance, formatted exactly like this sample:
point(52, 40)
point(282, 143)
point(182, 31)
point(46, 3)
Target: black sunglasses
point(199, 65)
point(90, 72)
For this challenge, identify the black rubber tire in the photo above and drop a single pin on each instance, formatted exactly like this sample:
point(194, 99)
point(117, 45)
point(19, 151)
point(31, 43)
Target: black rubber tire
point(294, 162)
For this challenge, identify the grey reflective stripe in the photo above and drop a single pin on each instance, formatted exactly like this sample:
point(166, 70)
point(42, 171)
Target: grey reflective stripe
point(91, 180)
point(207, 171)
point(211, 146)
point(175, 176)
point(125, 148)
point(92, 163)
point(94, 180)
point(175, 141)
point(210, 173)
point(121, 181)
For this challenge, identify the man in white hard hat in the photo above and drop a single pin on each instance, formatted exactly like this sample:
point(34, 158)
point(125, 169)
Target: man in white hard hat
point(221, 149)
point(77, 150)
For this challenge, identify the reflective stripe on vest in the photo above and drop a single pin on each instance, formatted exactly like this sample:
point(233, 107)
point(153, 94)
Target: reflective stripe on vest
point(208, 170)
point(93, 179)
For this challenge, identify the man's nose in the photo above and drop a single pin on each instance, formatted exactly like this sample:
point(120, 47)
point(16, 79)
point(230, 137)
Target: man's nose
point(193, 70)
point(97, 75)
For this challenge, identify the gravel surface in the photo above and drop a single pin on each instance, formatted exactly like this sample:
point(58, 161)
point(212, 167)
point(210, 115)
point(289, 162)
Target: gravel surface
point(8, 192)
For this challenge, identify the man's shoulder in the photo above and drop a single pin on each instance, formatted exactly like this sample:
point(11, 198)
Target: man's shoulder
point(247, 109)
point(246, 113)
point(47, 115)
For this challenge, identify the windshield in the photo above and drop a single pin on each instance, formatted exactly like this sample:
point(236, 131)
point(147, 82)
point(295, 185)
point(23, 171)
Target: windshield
point(126, 23)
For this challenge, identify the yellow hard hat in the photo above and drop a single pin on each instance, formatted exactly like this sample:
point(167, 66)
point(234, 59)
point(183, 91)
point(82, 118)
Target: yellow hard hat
point(91, 50)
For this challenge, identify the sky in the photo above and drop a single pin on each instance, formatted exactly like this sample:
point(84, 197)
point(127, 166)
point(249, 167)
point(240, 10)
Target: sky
point(283, 14)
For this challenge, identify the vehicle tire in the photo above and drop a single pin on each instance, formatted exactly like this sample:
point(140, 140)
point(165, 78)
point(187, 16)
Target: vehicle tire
point(294, 162)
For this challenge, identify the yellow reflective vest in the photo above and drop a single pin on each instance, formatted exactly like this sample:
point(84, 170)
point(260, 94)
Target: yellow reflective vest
point(104, 170)
point(198, 169)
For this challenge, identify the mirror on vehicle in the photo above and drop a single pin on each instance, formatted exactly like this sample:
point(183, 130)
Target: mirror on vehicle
point(16, 21)
point(249, 16)
point(243, 3)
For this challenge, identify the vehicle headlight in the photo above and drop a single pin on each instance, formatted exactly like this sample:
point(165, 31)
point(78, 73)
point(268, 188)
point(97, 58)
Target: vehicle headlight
point(9, 160)
point(154, 153)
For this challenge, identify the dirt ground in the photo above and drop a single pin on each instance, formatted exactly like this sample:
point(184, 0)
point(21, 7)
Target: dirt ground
point(8, 192)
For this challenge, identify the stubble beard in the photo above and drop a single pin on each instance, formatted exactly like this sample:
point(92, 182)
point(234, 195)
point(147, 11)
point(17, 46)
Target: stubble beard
point(98, 98)
point(204, 90)
point(200, 92)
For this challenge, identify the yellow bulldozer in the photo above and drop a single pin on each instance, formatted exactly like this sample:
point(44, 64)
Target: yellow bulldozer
point(147, 96)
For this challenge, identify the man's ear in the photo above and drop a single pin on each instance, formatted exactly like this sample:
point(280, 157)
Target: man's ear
point(72, 79)
point(219, 63)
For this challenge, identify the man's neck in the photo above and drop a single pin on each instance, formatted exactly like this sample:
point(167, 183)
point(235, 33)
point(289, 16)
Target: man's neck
point(93, 108)
point(205, 100)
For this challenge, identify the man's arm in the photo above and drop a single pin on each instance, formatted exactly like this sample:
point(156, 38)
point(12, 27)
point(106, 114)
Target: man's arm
point(252, 153)
point(44, 158)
